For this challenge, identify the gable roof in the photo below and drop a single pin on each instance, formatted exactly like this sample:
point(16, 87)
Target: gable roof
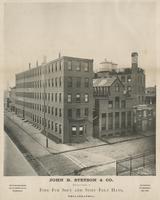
point(104, 82)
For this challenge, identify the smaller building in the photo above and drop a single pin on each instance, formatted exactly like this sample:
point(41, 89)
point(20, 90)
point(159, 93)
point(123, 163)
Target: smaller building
point(150, 95)
point(113, 108)
point(144, 118)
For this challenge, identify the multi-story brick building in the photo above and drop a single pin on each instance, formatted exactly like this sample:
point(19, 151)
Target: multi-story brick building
point(59, 95)
point(132, 78)
point(113, 109)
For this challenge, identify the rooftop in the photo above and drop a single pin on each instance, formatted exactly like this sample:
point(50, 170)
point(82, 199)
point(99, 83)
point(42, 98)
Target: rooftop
point(107, 82)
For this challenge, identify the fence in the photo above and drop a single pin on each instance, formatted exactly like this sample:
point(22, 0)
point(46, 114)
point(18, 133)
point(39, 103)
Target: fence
point(129, 165)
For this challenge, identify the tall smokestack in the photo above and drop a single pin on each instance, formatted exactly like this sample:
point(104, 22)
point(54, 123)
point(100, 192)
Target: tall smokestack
point(134, 56)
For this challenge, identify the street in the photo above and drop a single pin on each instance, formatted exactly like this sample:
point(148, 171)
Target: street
point(64, 159)
point(14, 163)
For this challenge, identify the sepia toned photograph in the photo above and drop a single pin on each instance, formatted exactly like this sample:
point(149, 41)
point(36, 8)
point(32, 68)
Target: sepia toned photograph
point(80, 89)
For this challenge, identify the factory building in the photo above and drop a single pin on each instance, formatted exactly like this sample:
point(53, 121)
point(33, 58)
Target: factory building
point(57, 97)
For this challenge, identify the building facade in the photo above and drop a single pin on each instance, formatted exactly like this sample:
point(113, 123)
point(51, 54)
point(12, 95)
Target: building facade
point(113, 109)
point(57, 97)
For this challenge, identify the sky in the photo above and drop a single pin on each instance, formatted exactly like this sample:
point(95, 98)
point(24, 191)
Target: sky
point(108, 30)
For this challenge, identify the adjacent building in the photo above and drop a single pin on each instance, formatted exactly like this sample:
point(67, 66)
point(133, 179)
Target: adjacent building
point(113, 108)
point(57, 97)
point(144, 118)
point(150, 95)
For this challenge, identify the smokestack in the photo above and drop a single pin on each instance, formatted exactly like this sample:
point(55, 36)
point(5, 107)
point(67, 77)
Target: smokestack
point(37, 63)
point(59, 55)
point(134, 56)
point(29, 65)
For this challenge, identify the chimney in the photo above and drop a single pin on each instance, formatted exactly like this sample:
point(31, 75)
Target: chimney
point(29, 65)
point(44, 59)
point(59, 55)
point(134, 56)
point(37, 63)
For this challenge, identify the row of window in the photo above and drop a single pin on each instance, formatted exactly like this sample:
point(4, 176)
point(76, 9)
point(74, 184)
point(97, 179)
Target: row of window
point(48, 124)
point(54, 82)
point(78, 98)
point(77, 82)
point(54, 67)
point(117, 103)
point(109, 119)
point(77, 130)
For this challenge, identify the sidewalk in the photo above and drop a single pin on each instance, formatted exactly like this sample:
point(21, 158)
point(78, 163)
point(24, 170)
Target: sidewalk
point(119, 139)
point(53, 148)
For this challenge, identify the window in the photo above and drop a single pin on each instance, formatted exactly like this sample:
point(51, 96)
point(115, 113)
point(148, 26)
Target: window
point(86, 67)
point(86, 98)
point(60, 82)
point(110, 104)
point(55, 97)
point(52, 110)
point(86, 111)
point(56, 82)
point(69, 82)
point(81, 130)
point(56, 67)
point(76, 64)
point(52, 82)
point(129, 78)
point(69, 98)
point(123, 120)
point(48, 82)
point(103, 121)
point(74, 130)
point(123, 78)
point(78, 97)
point(52, 67)
point(110, 121)
point(117, 120)
point(60, 97)
point(117, 102)
point(56, 112)
point(69, 112)
point(60, 112)
point(86, 82)
point(48, 124)
point(60, 128)
point(52, 96)
point(48, 96)
point(56, 127)
point(123, 104)
point(52, 125)
point(117, 87)
point(69, 65)
point(78, 82)
point(48, 109)
point(78, 113)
